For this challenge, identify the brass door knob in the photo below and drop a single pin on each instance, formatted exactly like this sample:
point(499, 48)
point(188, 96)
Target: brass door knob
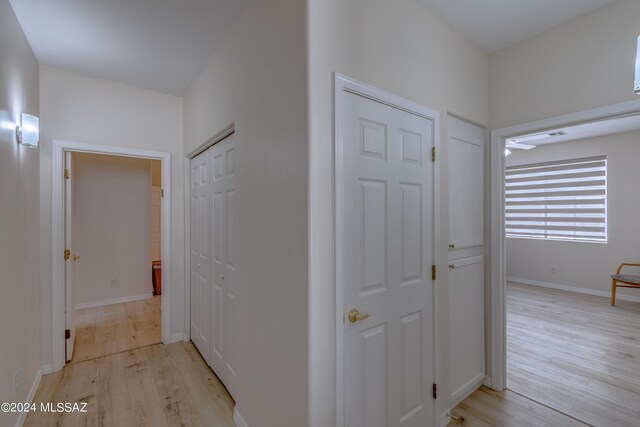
point(355, 315)
point(76, 257)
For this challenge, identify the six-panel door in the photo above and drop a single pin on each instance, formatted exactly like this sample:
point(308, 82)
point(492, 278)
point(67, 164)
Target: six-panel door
point(385, 271)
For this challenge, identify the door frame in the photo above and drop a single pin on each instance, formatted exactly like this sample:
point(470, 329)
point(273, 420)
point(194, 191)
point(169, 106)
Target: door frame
point(346, 84)
point(218, 137)
point(57, 237)
point(498, 343)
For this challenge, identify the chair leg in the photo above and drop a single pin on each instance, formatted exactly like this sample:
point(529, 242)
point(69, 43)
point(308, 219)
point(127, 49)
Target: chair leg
point(613, 292)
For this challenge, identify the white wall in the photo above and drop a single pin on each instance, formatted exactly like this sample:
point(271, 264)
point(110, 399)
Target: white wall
point(401, 47)
point(257, 79)
point(586, 63)
point(93, 111)
point(111, 227)
point(19, 210)
point(581, 264)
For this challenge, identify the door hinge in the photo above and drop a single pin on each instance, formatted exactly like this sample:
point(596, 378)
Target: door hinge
point(162, 192)
point(67, 175)
point(433, 154)
point(433, 272)
point(67, 254)
point(67, 334)
point(435, 391)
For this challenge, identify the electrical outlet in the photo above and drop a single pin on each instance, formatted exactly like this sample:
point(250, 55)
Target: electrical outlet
point(113, 283)
point(16, 381)
point(554, 270)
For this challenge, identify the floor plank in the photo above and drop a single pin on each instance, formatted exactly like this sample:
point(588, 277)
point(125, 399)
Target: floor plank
point(156, 385)
point(110, 329)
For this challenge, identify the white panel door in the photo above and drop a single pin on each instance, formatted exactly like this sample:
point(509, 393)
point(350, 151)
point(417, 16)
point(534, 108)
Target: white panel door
point(386, 238)
point(223, 196)
point(70, 259)
point(201, 292)
point(466, 326)
point(156, 224)
point(466, 184)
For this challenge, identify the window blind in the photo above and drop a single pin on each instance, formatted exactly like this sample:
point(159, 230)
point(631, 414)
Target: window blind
point(561, 200)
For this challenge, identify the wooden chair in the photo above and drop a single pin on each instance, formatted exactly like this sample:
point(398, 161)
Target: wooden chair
point(627, 280)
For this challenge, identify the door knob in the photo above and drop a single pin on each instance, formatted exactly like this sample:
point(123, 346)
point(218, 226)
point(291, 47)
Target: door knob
point(76, 257)
point(355, 315)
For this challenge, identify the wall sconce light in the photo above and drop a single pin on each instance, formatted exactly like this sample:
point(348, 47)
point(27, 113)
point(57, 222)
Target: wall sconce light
point(28, 133)
point(636, 85)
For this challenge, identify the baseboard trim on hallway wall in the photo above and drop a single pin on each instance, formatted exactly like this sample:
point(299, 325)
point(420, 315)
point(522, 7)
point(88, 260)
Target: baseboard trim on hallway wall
point(237, 418)
point(47, 369)
point(445, 419)
point(32, 394)
point(593, 292)
point(175, 338)
point(112, 301)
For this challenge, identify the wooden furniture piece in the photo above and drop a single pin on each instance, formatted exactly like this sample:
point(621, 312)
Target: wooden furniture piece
point(627, 280)
point(156, 270)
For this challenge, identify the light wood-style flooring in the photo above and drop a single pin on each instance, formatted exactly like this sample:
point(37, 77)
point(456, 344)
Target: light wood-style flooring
point(572, 360)
point(154, 386)
point(110, 329)
point(486, 407)
point(575, 353)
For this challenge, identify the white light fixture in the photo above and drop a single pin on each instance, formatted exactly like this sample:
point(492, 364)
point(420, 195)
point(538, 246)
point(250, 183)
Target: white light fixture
point(507, 152)
point(636, 85)
point(534, 137)
point(28, 133)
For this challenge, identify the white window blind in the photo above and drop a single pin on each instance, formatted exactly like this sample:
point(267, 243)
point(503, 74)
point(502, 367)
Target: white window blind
point(562, 200)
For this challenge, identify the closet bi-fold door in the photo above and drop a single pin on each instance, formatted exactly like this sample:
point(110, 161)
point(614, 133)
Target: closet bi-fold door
point(201, 290)
point(223, 202)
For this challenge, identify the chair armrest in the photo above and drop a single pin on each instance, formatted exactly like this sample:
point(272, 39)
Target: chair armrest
point(625, 263)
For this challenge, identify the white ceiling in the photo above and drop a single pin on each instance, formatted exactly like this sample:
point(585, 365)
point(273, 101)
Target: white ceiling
point(495, 24)
point(153, 44)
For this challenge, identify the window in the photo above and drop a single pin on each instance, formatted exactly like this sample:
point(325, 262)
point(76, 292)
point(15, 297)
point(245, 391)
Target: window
point(563, 200)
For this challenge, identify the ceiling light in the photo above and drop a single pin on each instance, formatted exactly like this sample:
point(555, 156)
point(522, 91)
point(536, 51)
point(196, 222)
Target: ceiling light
point(28, 133)
point(535, 137)
point(520, 146)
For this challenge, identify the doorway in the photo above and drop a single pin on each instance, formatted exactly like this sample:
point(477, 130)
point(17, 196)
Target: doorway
point(104, 300)
point(385, 239)
point(113, 216)
point(564, 223)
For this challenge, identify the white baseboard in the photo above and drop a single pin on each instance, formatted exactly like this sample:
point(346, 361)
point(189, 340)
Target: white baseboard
point(465, 391)
point(112, 301)
point(619, 296)
point(237, 418)
point(175, 338)
point(445, 419)
point(32, 394)
point(488, 382)
point(47, 369)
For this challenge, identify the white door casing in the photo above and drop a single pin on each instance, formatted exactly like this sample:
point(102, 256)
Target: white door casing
point(70, 258)
point(384, 254)
point(201, 293)
point(223, 196)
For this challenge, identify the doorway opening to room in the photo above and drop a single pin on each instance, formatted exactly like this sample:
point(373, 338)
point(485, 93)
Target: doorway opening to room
point(568, 223)
point(111, 222)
